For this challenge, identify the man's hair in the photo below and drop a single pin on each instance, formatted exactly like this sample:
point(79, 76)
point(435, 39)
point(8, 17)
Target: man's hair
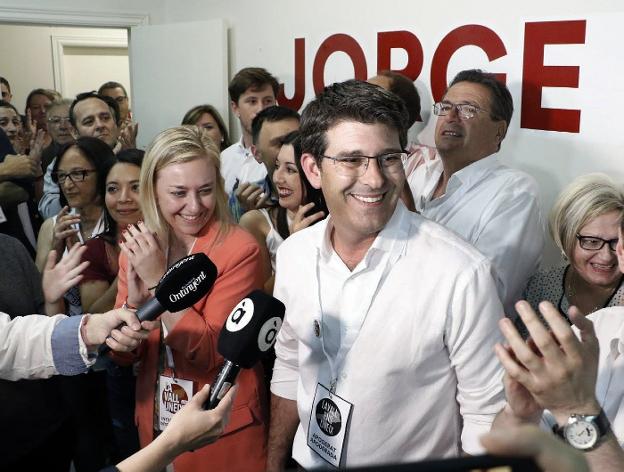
point(51, 94)
point(5, 104)
point(5, 82)
point(271, 114)
point(192, 116)
point(501, 103)
point(112, 104)
point(406, 90)
point(251, 78)
point(353, 100)
point(584, 199)
point(111, 85)
point(57, 103)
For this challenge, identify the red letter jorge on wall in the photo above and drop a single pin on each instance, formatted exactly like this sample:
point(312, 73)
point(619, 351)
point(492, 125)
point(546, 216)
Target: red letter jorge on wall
point(389, 40)
point(335, 43)
point(299, 95)
point(536, 75)
point(469, 35)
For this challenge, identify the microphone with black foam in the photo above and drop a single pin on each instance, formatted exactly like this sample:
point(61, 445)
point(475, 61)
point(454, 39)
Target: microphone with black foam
point(183, 284)
point(248, 333)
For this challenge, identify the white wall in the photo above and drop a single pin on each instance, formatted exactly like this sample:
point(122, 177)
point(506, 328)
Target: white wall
point(263, 33)
point(26, 58)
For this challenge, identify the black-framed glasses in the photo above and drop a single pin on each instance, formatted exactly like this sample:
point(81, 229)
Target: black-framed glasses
point(355, 166)
point(77, 175)
point(594, 243)
point(465, 111)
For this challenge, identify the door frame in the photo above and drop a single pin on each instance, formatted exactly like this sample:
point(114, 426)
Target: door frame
point(56, 17)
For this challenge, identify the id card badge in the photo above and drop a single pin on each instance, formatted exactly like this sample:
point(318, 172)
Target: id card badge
point(328, 425)
point(173, 394)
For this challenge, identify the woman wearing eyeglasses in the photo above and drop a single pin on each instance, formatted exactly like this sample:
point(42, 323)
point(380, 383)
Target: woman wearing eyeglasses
point(584, 224)
point(80, 171)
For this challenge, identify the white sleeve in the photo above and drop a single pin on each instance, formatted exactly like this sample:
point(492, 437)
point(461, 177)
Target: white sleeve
point(26, 346)
point(286, 368)
point(471, 332)
point(513, 241)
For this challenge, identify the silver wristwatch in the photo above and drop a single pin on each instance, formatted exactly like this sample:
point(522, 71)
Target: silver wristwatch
point(584, 432)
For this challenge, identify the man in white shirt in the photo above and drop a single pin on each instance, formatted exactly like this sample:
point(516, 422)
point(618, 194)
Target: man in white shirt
point(469, 191)
point(385, 354)
point(251, 90)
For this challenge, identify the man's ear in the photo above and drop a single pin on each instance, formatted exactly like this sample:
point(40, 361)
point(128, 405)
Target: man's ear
point(311, 169)
point(501, 131)
point(619, 250)
point(256, 153)
point(234, 107)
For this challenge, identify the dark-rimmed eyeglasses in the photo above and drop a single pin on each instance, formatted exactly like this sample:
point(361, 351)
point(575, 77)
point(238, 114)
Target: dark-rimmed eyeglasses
point(465, 111)
point(594, 243)
point(77, 175)
point(355, 166)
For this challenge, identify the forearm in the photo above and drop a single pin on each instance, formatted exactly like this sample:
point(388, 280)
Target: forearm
point(506, 419)
point(156, 456)
point(55, 308)
point(608, 457)
point(284, 423)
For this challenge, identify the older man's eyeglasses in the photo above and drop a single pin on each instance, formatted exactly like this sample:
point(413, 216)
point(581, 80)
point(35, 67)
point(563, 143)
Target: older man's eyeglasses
point(57, 120)
point(355, 166)
point(465, 111)
point(594, 243)
point(77, 175)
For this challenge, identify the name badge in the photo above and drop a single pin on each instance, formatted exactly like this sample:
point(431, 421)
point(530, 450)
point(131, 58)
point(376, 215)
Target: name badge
point(328, 425)
point(173, 394)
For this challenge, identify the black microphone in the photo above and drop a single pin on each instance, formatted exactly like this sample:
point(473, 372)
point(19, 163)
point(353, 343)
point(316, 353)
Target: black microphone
point(181, 286)
point(248, 333)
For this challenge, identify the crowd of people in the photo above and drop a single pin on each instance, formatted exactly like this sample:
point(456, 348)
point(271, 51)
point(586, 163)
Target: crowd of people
point(403, 268)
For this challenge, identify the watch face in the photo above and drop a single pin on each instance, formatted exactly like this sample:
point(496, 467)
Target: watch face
point(581, 434)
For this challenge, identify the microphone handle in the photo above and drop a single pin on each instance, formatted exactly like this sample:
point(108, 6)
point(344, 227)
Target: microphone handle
point(149, 311)
point(222, 384)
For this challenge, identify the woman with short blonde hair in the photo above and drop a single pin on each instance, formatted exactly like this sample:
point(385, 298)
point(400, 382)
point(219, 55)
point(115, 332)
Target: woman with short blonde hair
point(185, 211)
point(584, 224)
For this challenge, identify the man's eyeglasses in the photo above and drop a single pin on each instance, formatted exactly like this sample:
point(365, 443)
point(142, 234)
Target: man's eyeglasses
point(594, 243)
point(75, 176)
point(120, 99)
point(355, 166)
point(57, 120)
point(464, 110)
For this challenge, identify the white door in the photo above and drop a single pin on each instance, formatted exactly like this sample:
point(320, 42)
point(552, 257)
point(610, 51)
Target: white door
point(174, 67)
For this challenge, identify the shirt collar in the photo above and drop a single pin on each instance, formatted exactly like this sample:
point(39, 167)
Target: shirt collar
point(391, 239)
point(475, 172)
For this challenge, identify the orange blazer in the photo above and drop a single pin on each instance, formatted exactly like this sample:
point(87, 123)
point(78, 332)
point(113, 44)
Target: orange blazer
point(193, 342)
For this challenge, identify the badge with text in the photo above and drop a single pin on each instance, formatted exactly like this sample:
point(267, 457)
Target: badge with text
point(173, 394)
point(328, 425)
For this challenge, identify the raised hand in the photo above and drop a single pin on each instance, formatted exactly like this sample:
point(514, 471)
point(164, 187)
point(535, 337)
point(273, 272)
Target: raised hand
point(144, 253)
point(65, 233)
point(59, 277)
point(251, 196)
point(559, 370)
point(301, 221)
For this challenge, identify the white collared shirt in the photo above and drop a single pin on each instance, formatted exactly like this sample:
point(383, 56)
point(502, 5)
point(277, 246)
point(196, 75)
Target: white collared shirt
point(238, 163)
point(493, 207)
point(414, 323)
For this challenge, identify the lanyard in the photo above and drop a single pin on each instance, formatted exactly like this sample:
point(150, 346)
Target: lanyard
point(370, 287)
